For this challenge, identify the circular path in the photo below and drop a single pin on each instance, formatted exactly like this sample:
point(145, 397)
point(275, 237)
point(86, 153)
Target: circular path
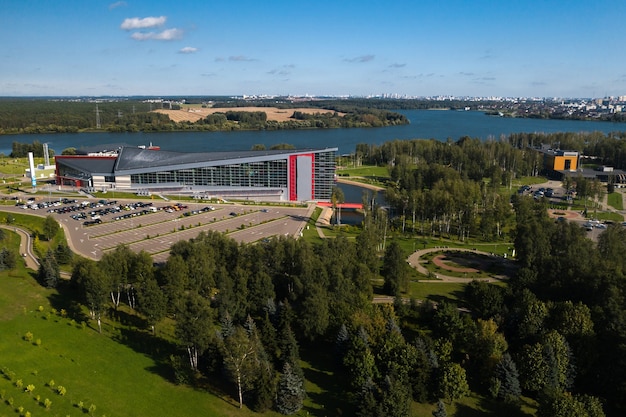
point(414, 261)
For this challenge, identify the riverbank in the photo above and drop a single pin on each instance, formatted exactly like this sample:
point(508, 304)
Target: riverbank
point(360, 184)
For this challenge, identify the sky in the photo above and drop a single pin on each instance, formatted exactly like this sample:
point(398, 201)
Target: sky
point(417, 48)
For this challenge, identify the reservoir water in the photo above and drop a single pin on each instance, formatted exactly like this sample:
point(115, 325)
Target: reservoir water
point(425, 124)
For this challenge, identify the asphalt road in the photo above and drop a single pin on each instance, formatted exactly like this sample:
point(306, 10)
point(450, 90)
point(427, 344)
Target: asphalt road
point(156, 232)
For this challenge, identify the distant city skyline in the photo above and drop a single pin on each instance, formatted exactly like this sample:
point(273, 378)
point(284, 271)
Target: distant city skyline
point(350, 48)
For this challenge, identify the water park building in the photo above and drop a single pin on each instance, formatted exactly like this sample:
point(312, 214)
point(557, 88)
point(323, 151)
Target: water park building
point(267, 175)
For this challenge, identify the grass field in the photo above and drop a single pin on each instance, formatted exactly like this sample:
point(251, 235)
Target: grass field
point(368, 171)
point(616, 201)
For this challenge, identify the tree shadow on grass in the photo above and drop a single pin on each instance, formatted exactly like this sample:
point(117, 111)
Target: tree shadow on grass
point(486, 406)
point(65, 299)
point(330, 395)
point(328, 398)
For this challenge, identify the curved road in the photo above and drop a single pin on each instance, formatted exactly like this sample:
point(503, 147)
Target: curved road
point(26, 247)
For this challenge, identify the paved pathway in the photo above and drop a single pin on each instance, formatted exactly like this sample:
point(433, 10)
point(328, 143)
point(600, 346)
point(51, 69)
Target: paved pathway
point(414, 261)
point(26, 250)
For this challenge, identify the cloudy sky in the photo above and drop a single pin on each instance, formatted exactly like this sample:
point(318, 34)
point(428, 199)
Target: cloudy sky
point(544, 48)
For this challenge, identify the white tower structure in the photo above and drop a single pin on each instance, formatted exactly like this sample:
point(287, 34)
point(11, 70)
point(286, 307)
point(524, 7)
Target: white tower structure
point(33, 175)
point(46, 155)
point(98, 125)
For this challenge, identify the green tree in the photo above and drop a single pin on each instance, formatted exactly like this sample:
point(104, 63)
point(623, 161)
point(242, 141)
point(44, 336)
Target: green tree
point(50, 227)
point(395, 270)
point(337, 197)
point(8, 259)
point(506, 378)
point(533, 368)
point(95, 286)
point(486, 347)
point(117, 264)
point(63, 253)
point(440, 411)
point(359, 361)
point(194, 326)
point(314, 313)
point(49, 272)
point(290, 392)
point(175, 281)
point(239, 353)
point(152, 302)
point(453, 382)
point(564, 404)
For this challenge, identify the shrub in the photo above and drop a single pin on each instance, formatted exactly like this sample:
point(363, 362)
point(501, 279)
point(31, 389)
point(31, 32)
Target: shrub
point(61, 390)
point(30, 388)
point(47, 403)
point(28, 337)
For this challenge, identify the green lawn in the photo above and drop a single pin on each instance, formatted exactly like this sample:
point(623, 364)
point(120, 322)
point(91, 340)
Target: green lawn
point(364, 171)
point(120, 379)
point(616, 201)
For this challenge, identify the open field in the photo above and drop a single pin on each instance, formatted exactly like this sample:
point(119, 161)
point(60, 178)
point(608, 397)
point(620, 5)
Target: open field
point(195, 113)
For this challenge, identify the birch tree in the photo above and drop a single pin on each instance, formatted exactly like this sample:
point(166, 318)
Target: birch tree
point(194, 327)
point(239, 352)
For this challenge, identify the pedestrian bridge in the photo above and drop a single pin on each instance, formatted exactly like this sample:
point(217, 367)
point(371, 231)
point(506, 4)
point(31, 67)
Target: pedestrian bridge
point(342, 205)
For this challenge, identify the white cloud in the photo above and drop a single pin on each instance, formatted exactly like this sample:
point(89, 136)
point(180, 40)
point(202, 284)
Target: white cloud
point(117, 4)
point(142, 23)
point(362, 58)
point(188, 50)
point(240, 58)
point(166, 35)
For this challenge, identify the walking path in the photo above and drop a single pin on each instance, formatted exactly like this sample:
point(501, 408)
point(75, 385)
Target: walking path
point(414, 261)
point(26, 251)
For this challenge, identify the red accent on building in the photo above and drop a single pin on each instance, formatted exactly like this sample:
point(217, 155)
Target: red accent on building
point(293, 175)
point(293, 192)
point(60, 180)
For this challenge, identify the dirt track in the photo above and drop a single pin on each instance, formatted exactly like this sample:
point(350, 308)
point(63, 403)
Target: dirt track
point(193, 114)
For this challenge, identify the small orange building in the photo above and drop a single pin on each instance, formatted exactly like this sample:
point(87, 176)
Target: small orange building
point(555, 162)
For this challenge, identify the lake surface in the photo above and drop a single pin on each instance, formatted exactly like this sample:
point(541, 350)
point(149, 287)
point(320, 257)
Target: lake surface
point(425, 124)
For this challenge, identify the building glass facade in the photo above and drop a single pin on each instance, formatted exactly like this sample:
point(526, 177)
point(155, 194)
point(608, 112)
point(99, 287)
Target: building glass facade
point(324, 175)
point(267, 174)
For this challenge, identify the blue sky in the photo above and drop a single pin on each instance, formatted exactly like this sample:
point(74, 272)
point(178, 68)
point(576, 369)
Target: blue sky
point(351, 47)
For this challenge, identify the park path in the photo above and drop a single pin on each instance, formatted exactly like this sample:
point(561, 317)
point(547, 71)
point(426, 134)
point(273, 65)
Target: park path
point(414, 262)
point(26, 251)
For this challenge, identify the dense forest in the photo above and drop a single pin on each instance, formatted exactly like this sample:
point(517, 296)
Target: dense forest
point(555, 333)
point(453, 189)
point(52, 116)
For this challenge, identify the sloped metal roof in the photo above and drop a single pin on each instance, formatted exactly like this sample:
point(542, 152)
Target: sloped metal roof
point(93, 165)
point(131, 158)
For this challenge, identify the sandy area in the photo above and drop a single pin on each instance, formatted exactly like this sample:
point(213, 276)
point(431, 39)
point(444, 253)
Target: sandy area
point(193, 114)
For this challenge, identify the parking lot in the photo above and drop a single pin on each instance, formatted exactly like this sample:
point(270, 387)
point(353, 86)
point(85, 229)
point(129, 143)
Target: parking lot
point(98, 226)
